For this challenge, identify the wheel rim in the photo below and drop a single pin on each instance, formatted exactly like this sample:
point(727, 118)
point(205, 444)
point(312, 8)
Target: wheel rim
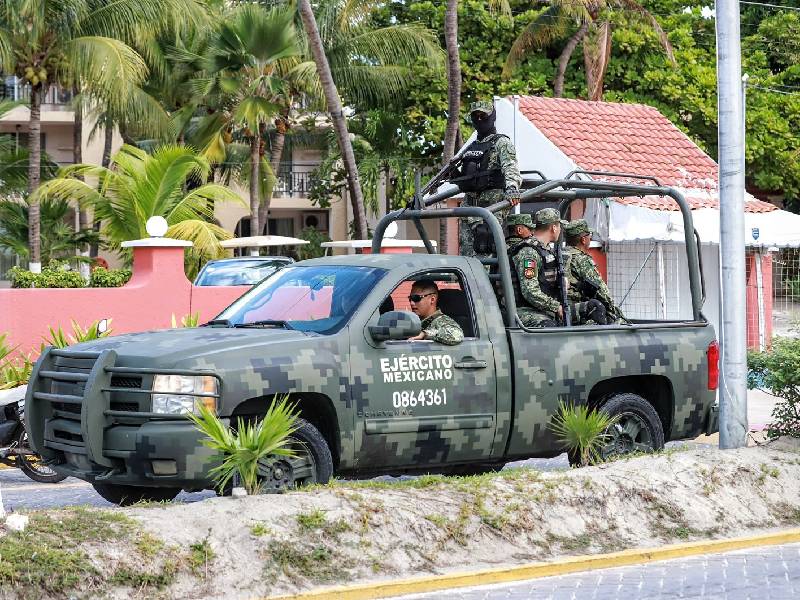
point(629, 434)
point(279, 474)
point(33, 462)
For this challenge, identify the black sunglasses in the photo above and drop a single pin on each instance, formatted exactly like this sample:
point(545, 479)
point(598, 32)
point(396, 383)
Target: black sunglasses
point(417, 297)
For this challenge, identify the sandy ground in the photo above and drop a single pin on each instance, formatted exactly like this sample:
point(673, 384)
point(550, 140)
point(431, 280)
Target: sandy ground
point(265, 545)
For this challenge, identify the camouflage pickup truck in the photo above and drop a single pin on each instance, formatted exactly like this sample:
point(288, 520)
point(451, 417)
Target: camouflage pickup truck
point(333, 334)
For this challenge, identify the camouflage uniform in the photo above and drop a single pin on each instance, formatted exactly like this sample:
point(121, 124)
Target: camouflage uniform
point(441, 328)
point(535, 308)
point(585, 282)
point(502, 156)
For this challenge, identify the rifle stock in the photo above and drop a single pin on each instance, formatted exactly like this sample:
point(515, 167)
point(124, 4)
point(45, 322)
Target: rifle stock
point(562, 283)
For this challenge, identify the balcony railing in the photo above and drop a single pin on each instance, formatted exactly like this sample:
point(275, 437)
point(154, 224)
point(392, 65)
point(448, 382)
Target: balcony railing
point(294, 179)
point(13, 89)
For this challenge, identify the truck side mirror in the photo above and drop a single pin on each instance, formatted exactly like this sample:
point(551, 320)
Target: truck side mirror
point(395, 325)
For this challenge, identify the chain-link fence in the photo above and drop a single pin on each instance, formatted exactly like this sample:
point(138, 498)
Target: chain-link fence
point(649, 280)
point(786, 292)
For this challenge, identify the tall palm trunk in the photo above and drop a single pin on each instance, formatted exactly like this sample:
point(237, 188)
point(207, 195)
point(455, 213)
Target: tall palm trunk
point(263, 208)
point(337, 116)
point(453, 98)
point(255, 228)
point(278, 142)
point(34, 175)
point(82, 220)
point(563, 60)
point(108, 139)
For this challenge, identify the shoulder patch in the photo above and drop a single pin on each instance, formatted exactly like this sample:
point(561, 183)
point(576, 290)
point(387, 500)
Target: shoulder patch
point(529, 273)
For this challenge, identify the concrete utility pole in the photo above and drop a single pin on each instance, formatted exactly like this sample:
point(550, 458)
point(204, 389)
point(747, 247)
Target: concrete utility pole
point(733, 393)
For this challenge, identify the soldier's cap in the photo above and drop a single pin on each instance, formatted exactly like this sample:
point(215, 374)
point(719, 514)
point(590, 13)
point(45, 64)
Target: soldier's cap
point(546, 216)
point(520, 219)
point(481, 106)
point(577, 227)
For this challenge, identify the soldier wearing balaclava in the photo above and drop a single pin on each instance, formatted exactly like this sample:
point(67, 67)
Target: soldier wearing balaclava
point(489, 173)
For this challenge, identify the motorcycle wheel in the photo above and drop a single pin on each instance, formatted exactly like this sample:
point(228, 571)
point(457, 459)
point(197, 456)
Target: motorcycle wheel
point(32, 464)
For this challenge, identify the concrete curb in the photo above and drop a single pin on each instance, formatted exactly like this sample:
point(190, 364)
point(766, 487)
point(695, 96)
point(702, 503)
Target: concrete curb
point(398, 587)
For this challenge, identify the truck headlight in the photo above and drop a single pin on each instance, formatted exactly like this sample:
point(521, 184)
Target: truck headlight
point(177, 394)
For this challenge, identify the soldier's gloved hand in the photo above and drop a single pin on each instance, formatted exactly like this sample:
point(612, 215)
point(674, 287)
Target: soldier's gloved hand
point(513, 196)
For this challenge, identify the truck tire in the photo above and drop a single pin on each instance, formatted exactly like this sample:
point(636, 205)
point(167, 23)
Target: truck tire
point(125, 495)
point(638, 428)
point(313, 463)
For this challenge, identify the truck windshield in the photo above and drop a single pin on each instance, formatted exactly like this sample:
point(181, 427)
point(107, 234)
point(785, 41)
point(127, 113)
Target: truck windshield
point(318, 299)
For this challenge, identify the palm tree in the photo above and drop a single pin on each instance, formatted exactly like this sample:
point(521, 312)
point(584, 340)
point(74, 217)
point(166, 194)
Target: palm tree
point(368, 64)
point(336, 111)
point(74, 43)
point(138, 186)
point(241, 83)
point(593, 19)
point(58, 240)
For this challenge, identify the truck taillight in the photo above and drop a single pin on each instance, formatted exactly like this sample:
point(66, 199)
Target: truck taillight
point(712, 356)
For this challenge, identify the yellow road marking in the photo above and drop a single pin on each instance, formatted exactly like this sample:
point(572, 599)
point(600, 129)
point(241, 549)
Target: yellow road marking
point(399, 587)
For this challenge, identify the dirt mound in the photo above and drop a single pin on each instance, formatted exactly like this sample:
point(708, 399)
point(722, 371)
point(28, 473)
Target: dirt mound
point(354, 532)
point(360, 531)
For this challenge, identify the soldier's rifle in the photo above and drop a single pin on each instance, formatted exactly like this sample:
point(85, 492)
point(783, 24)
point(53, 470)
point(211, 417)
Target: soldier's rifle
point(562, 282)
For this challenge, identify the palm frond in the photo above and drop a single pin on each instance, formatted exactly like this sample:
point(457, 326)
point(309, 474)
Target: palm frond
point(548, 27)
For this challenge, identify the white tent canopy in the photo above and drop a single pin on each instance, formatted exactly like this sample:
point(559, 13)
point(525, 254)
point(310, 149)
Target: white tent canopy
point(617, 222)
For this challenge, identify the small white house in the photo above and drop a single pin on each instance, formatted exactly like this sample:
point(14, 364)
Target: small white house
point(642, 238)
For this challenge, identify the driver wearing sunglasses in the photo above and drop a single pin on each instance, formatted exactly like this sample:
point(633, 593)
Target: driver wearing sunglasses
point(436, 326)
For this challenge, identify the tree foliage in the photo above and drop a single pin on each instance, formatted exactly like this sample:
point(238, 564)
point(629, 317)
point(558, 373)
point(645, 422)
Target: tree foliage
point(638, 71)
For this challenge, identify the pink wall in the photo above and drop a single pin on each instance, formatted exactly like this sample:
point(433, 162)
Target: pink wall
point(157, 290)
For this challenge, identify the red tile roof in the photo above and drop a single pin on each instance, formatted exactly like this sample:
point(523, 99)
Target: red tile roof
point(630, 138)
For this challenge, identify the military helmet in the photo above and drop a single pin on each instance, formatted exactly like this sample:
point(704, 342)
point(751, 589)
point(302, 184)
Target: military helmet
point(577, 228)
point(546, 216)
point(481, 106)
point(520, 219)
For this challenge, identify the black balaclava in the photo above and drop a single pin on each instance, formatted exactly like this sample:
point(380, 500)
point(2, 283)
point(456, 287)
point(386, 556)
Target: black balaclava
point(485, 127)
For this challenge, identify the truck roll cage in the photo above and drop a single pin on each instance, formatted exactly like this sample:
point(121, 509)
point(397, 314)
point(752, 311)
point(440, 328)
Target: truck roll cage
point(565, 191)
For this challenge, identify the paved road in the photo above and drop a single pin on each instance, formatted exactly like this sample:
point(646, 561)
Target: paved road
point(772, 572)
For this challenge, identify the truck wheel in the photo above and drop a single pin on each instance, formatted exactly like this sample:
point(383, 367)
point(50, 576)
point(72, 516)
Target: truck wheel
point(125, 495)
point(638, 428)
point(311, 464)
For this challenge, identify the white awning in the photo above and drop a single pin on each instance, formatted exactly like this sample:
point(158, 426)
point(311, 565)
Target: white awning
point(260, 241)
point(618, 222)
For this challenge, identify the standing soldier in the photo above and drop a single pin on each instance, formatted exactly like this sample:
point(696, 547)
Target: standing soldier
point(489, 173)
point(585, 282)
point(533, 277)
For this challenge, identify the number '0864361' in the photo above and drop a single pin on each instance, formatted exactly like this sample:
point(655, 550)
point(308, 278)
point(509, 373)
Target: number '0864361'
point(424, 397)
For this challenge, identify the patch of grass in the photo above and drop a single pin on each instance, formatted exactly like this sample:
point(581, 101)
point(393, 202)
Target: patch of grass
point(312, 520)
point(259, 530)
point(47, 558)
point(143, 579)
point(316, 562)
point(571, 544)
point(767, 471)
point(148, 545)
point(200, 555)
point(316, 521)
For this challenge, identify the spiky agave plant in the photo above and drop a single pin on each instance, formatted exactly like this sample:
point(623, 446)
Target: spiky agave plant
point(582, 430)
point(242, 450)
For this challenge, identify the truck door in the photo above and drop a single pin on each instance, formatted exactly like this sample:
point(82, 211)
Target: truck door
point(427, 403)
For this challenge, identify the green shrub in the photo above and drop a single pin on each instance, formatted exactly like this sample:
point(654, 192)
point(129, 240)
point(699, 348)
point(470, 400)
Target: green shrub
point(779, 371)
point(190, 320)
point(242, 449)
point(582, 430)
point(314, 248)
point(14, 373)
point(59, 339)
point(102, 277)
point(54, 275)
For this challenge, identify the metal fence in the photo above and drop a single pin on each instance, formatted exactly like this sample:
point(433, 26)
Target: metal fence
point(786, 292)
point(7, 260)
point(649, 280)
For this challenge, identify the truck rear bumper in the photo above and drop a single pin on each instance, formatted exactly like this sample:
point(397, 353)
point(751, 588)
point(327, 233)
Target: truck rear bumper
point(75, 421)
